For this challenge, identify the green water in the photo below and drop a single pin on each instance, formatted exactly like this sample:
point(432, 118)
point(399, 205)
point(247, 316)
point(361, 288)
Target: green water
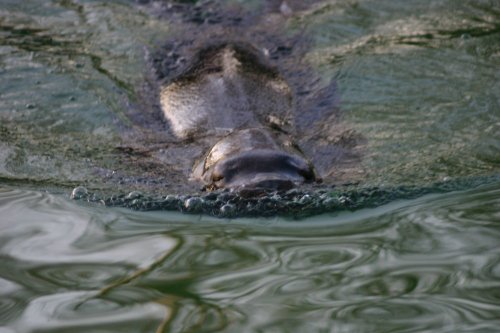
point(427, 265)
point(419, 81)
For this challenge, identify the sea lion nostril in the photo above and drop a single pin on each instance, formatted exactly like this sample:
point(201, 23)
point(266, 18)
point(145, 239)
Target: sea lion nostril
point(274, 184)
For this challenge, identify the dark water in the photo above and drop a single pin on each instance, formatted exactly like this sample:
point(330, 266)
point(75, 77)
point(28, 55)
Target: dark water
point(418, 79)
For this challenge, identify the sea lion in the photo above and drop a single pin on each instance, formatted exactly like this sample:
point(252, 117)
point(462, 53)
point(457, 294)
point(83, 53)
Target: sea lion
point(230, 100)
point(230, 93)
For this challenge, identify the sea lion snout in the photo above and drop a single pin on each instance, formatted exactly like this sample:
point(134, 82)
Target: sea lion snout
point(261, 169)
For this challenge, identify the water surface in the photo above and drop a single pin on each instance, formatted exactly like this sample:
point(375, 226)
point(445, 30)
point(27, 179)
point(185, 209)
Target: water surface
point(430, 264)
point(418, 81)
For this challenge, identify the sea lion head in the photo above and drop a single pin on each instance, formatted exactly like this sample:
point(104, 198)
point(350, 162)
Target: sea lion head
point(252, 159)
point(231, 96)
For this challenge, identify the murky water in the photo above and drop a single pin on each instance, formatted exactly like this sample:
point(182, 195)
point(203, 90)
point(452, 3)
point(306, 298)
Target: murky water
point(419, 81)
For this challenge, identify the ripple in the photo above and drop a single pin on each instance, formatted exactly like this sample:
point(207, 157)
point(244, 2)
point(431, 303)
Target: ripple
point(215, 250)
point(10, 199)
point(407, 268)
point(482, 208)
point(193, 317)
point(82, 276)
point(241, 285)
point(10, 304)
point(10, 308)
point(405, 316)
point(8, 287)
point(298, 285)
point(76, 312)
point(46, 229)
point(316, 256)
point(281, 268)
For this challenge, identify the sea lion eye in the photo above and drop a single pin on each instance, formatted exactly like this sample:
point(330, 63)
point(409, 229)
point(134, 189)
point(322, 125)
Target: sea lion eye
point(216, 177)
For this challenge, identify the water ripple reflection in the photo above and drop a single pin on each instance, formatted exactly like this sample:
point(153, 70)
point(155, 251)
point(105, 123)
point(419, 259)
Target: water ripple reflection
point(430, 264)
point(34, 229)
point(419, 268)
point(83, 276)
point(65, 311)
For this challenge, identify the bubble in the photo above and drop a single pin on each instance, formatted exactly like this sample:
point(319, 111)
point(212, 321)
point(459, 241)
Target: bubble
point(134, 195)
point(194, 204)
point(79, 193)
point(228, 210)
point(210, 196)
point(305, 199)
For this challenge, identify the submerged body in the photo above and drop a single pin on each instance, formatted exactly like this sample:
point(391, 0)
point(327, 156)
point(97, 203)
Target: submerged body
point(239, 107)
point(230, 94)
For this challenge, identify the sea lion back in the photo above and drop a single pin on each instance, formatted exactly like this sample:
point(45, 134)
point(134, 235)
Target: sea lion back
point(227, 87)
